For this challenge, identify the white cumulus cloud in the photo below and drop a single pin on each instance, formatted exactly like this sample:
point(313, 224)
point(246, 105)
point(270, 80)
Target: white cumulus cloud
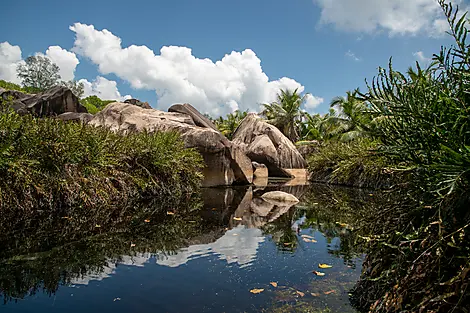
point(102, 88)
point(396, 17)
point(237, 81)
point(421, 57)
point(311, 102)
point(10, 57)
point(66, 60)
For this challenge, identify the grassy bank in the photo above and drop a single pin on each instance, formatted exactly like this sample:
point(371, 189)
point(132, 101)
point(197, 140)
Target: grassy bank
point(48, 164)
point(356, 163)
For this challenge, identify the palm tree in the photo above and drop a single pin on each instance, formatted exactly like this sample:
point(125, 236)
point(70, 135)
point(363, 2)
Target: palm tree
point(285, 112)
point(228, 125)
point(352, 118)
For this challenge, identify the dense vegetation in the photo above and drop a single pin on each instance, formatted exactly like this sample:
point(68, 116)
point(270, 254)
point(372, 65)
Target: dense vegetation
point(48, 164)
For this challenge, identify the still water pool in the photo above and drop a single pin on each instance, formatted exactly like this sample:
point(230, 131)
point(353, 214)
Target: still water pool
point(228, 251)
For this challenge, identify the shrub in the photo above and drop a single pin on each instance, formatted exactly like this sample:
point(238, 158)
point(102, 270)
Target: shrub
point(49, 164)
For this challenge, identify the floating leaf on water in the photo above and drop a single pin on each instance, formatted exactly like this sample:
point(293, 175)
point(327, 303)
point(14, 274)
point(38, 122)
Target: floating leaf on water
point(273, 283)
point(318, 273)
point(287, 243)
point(147, 221)
point(309, 240)
point(322, 265)
point(256, 291)
point(315, 294)
point(237, 218)
point(329, 292)
point(235, 234)
point(170, 213)
point(117, 299)
point(307, 236)
point(300, 293)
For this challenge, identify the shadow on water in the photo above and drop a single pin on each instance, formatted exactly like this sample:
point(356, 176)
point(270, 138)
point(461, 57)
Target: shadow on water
point(200, 254)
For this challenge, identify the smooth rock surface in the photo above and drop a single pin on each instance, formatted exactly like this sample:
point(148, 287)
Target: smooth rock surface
point(279, 196)
point(264, 143)
point(221, 167)
point(75, 117)
point(54, 101)
point(198, 118)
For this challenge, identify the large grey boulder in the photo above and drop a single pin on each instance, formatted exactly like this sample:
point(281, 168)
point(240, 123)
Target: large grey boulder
point(264, 143)
point(54, 101)
point(198, 118)
point(75, 117)
point(223, 165)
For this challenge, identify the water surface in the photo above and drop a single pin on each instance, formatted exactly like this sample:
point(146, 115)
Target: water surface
point(202, 255)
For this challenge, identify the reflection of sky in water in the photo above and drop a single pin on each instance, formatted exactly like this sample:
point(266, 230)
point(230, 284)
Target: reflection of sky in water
point(238, 245)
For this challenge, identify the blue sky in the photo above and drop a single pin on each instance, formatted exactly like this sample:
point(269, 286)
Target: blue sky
point(325, 47)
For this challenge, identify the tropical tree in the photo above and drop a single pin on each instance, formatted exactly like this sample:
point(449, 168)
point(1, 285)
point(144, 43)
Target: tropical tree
point(285, 113)
point(76, 87)
point(228, 125)
point(38, 72)
point(352, 118)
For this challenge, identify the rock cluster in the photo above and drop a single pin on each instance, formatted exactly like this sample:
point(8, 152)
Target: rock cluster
point(258, 149)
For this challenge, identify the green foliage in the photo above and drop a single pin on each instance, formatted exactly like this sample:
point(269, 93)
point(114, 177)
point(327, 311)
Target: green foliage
point(10, 86)
point(285, 113)
point(48, 164)
point(94, 104)
point(353, 164)
point(38, 72)
point(228, 125)
point(418, 254)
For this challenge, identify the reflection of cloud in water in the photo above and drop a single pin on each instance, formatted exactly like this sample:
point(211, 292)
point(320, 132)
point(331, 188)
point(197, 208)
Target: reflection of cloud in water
point(106, 272)
point(238, 245)
point(137, 260)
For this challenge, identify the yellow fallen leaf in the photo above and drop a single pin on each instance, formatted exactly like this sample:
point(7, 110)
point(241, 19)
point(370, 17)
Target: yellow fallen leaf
point(371, 194)
point(274, 284)
point(147, 221)
point(342, 224)
point(321, 265)
point(287, 243)
point(237, 218)
point(300, 293)
point(329, 292)
point(214, 209)
point(97, 226)
point(315, 294)
point(170, 213)
point(256, 291)
point(318, 273)
point(309, 240)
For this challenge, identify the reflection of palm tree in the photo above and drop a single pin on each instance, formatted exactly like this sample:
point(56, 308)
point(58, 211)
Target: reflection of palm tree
point(285, 113)
point(282, 233)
